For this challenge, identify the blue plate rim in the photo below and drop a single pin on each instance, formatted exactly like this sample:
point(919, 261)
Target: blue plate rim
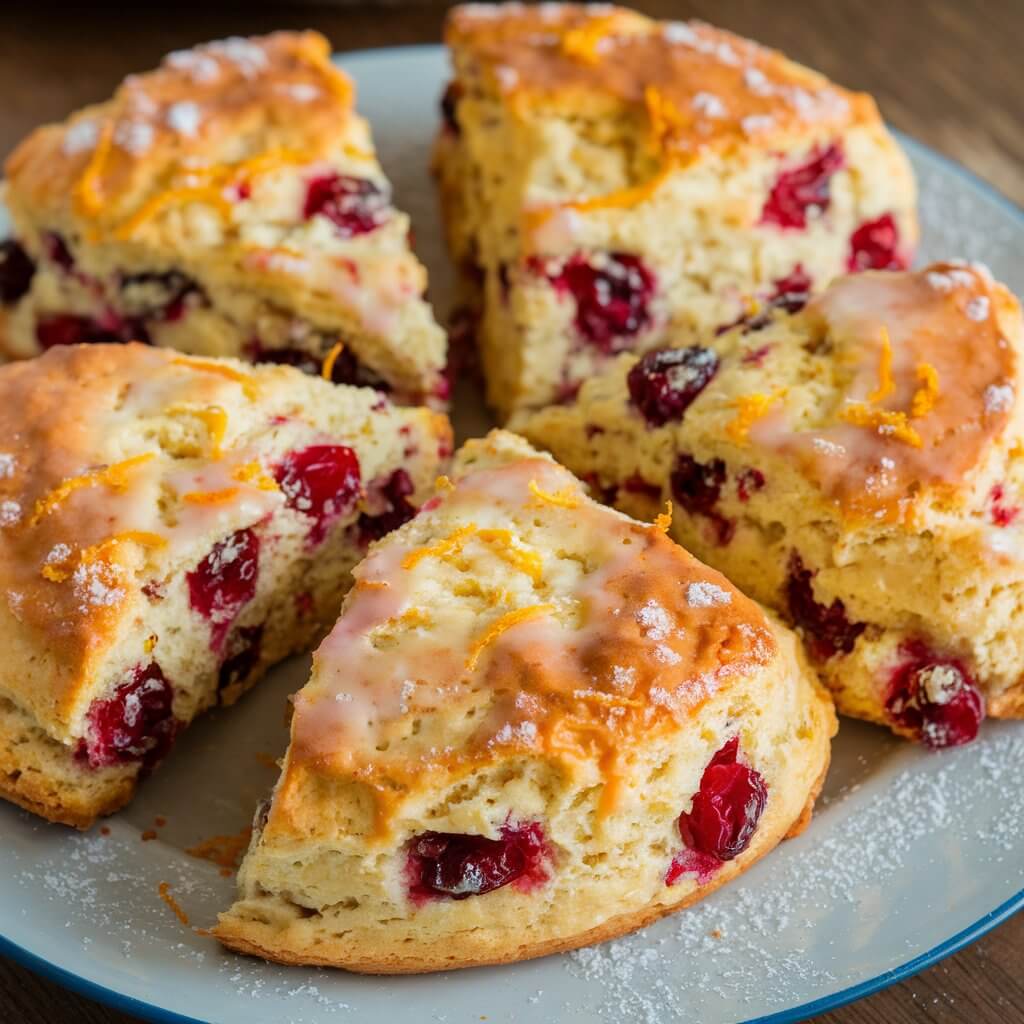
point(158, 1015)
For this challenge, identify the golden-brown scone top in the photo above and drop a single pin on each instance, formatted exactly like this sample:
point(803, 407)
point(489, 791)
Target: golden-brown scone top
point(514, 616)
point(701, 87)
point(201, 122)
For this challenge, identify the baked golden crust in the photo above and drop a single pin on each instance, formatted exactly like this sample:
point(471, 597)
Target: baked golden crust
point(569, 671)
point(218, 106)
point(703, 88)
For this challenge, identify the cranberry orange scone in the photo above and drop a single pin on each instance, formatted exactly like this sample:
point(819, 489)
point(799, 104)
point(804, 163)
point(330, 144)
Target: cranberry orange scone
point(610, 182)
point(858, 465)
point(169, 528)
point(537, 724)
point(228, 203)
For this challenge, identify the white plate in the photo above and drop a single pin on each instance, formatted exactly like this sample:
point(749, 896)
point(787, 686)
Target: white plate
point(910, 854)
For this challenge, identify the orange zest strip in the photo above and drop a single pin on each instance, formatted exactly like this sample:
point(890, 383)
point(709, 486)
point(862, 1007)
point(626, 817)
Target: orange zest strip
point(220, 370)
point(663, 521)
point(928, 394)
point(114, 475)
point(749, 409)
point(886, 386)
point(525, 560)
point(216, 420)
point(86, 191)
point(565, 498)
point(887, 423)
point(210, 194)
point(330, 359)
point(583, 43)
point(58, 572)
point(623, 197)
point(254, 473)
point(165, 894)
point(451, 544)
point(500, 625)
point(210, 497)
point(442, 483)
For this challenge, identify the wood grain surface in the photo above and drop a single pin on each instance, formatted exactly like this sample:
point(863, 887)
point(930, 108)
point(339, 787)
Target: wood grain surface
point(947, 71)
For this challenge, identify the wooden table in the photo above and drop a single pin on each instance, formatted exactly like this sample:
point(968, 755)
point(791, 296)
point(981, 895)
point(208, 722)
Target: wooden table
point(947, 71)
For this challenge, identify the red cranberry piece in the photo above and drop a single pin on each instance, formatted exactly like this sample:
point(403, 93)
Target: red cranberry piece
point(723, 815)
point(242, 656)
point(793, 290)
point(446, 864)
point(449, 104)
point(57, 251)
point(875, 246)
point(749, 481)
point(827, 630)
point(225, 582)
point(322, 482)
point(16, 271)
point(612, 297)
point(1002, 514)
point(136, 723)
point(936, 698)
point(355, 206)
point(395, 491)
point(664, 383)
point(803, 190)
point(697, 488)
point(636, 484)
point(66, 329)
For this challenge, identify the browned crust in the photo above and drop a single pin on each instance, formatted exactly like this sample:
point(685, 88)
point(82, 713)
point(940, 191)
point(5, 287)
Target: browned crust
point(1009, 704)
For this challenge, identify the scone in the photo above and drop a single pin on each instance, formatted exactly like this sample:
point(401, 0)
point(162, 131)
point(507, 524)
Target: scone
point(859, 466)
point(170, 527)
point(228, 203)
point(611, 182)
point(537, 724)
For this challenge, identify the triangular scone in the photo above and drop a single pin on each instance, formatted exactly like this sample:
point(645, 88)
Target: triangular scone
point(858, 465)
point(170, 527)
point(228, 203)
point(537, 724)
point(611, 182)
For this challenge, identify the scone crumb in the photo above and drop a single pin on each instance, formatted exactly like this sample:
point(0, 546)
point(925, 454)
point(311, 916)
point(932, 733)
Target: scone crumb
point(165, 894)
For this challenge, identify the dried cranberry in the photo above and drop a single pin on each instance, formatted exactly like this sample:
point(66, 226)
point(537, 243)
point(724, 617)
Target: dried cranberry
point(449, 103)
point(875, 246)
point(225, 582)
point(747, 482)
point(57, 251)
point(697, 488)
point(16, 271)
point(612, 296)
point(723, 815)
point(355, 206)
point(322, 482)
point(242, 655)
point(395, 491)
point(636, 484)
point(67, 329)
point(664, 383)
point(792, 291)
point(1002, 514)
point(803, 190)
point(446, 864)
point(934, 697)
point(827, 630)
point(135, 724)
